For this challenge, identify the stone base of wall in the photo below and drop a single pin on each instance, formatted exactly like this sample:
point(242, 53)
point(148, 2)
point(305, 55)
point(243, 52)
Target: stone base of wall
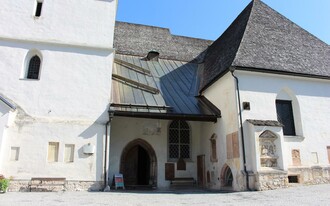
point(23, 186)
point(311, 175)
point(271, 179)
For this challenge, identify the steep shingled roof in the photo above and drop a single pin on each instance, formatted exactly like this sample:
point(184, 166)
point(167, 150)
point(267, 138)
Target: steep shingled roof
point(261, 39)
point(138, 40)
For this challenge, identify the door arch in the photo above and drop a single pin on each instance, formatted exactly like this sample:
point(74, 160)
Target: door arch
point(138, 164)
point(226, 177)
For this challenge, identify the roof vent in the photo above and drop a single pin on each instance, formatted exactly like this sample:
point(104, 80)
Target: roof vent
point(152, 56)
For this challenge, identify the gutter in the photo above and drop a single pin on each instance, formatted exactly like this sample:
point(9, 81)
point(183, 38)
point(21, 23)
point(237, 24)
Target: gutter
point(107, 125)
point(242, 132)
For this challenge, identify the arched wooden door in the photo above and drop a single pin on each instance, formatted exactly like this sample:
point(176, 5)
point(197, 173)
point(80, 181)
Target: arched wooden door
point(139, 164)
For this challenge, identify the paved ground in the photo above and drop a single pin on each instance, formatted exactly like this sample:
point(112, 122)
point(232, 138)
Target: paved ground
point(302, 195)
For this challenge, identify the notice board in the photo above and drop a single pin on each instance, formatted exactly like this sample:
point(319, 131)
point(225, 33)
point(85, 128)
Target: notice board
point(119, 181)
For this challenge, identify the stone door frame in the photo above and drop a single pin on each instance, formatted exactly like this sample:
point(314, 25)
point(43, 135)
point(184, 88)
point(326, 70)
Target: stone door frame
point(152, 155)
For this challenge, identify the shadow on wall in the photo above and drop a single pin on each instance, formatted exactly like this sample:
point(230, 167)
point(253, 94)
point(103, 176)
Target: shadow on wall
point(95, 131)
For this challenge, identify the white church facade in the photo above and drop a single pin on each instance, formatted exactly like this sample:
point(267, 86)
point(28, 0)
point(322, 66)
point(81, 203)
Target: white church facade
point(55, 71)
point(85, 99)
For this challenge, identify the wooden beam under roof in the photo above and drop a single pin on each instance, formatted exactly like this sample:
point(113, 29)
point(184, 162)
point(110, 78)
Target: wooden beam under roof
point(132, 67)
point(135, 84)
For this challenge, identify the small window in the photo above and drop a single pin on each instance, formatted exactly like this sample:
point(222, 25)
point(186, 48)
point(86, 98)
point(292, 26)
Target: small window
point(53, 151)
point(179, 140)
point(68, 153)
point(38, 8)
point(14, 153)
point(34, 68)
point(293, 179)
point(285, 116)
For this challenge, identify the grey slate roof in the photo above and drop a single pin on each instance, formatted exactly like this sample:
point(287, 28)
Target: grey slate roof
point(158, 89)
point(138, 40)
point(261, 39)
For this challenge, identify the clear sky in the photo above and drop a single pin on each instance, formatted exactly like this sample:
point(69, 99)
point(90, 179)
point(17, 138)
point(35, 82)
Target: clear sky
point(208, 19)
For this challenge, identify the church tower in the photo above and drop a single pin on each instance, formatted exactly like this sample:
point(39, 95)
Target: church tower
point(55, 69)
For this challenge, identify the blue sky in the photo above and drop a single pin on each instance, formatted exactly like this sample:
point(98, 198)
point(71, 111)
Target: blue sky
point(208, 19)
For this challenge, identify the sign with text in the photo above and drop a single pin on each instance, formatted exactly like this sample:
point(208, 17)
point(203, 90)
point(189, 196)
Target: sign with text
point(119, 181)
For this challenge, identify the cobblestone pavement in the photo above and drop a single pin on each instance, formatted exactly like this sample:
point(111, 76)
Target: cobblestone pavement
point(302, 195)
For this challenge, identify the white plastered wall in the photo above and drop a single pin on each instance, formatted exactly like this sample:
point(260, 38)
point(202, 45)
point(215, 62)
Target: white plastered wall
point(223, 95)
point(4, 115)
point(74, 22)
point(313, 97)
point(69, 102)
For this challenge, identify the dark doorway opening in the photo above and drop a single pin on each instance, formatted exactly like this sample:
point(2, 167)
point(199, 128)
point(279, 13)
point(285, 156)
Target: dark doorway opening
point(143, 167)
point(226, 178)
point(293, 179)
point(139, 165)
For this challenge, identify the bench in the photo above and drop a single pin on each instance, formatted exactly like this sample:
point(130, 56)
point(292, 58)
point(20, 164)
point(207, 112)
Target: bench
point(183, 181)
point(47, 184)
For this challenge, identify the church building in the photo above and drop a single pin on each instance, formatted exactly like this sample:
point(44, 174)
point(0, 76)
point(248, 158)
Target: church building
point(84, 98)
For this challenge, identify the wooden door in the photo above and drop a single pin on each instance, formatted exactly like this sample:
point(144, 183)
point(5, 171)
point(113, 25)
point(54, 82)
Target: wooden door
point(201, 170)
point(131, 167)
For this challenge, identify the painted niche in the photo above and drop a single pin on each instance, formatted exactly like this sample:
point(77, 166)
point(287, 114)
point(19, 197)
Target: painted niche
point(267, 148)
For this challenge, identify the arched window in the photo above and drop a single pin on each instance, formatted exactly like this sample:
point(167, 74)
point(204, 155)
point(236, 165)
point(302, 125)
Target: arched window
point(179, 144)
point(34, 68)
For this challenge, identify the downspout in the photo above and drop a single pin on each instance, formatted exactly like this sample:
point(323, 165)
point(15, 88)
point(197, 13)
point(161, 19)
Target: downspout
point(242, 132)
point(106, 149)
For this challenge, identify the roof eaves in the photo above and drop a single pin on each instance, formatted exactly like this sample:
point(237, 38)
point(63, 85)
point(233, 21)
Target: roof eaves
point(168, 116)
point(280, 72)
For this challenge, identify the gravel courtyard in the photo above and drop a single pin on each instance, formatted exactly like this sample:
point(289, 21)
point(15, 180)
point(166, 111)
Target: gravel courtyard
point(302, 195)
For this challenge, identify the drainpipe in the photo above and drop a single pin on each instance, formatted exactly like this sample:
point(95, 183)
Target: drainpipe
point(241, 124)
point(111, 115)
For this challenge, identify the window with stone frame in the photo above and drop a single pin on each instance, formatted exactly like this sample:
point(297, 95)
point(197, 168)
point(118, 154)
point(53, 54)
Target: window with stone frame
point(179, 143)
point(34, 67)
point(285, 116)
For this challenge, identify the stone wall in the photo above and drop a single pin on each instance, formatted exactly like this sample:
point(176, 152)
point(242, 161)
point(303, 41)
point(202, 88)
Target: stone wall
point(23, 186)
point(270, 180)
point(311, 175)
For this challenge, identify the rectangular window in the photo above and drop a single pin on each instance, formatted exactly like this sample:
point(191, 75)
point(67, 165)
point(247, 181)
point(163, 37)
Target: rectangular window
point(68, 153)
point(53, 151)
point(14, 153)
point(285, 116)
point(38, 8)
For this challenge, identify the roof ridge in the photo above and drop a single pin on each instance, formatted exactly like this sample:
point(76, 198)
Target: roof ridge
point(252, 3)
point(221, 54)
